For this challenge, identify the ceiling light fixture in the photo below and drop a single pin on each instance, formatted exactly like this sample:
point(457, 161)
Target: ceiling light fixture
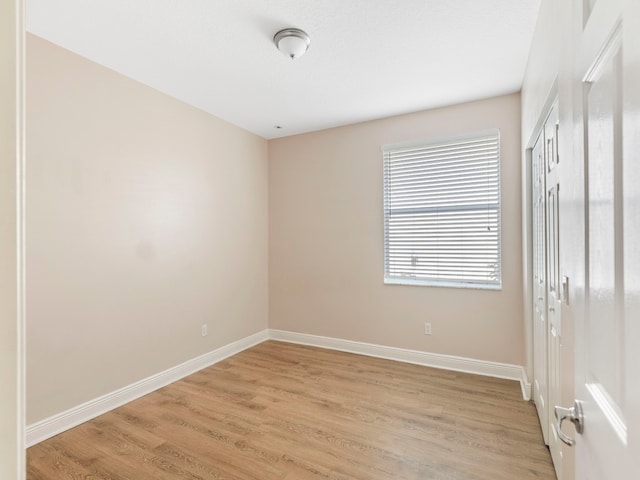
point(293, 42)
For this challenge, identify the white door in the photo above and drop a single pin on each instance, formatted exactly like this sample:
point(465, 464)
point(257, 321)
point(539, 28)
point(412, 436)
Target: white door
point(607, 336)
point(540, 330)
point(554, 296)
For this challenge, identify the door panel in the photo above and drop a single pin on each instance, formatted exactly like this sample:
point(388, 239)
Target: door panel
point(553, 309)
point(540, 330)
point(546, 280)
point(553, 291)
point(604, 328)
point(608, 338)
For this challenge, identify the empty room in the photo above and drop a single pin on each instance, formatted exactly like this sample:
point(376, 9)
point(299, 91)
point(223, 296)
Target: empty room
point(347, 239)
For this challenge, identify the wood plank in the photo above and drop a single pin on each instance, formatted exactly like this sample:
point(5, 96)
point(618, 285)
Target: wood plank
point(284, 411)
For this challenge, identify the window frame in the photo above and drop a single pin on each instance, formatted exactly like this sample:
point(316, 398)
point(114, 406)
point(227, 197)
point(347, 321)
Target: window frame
point(434, 282)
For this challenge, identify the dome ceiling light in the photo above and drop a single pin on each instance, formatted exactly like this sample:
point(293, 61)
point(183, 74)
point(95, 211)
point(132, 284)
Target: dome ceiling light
point(293, 42)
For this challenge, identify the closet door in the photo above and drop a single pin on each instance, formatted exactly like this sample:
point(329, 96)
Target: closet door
point(540, 330)
point(554, 281)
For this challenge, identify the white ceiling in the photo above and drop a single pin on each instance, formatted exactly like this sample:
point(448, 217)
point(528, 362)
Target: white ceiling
point(368, 58)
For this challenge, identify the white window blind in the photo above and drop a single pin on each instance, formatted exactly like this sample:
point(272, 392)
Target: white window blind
point(442, 212)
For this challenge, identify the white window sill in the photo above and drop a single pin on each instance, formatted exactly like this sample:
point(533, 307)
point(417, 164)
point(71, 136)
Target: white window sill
point(441, 283)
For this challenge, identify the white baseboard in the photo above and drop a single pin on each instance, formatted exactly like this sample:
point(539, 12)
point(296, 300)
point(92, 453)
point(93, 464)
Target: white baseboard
point(435, 360)
point(525, 385)
point(47, 428)
point(55, 424)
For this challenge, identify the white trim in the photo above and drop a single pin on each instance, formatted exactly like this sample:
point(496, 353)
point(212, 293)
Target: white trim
point(527, 225)
point(21, 339)
point(47, 428)
point(525, 385)
point(435, 360)
point(58, 423)
point(441, 283)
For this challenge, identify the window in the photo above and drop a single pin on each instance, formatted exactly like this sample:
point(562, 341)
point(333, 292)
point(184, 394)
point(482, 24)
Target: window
point(442, 212)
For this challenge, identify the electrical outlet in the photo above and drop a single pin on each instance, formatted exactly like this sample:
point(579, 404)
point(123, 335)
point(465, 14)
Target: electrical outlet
point(204, 330)
point(427, 328)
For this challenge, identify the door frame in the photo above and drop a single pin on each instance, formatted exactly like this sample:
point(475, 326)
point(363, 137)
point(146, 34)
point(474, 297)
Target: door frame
point(527, 228)
point(12, 296)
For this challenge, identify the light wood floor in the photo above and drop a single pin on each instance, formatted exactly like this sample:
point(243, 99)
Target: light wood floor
point(283, 411)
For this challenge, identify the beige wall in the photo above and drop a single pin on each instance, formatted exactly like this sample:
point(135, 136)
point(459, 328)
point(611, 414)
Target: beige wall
point(326, 245)
point(11, 381)
point(145, 219)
